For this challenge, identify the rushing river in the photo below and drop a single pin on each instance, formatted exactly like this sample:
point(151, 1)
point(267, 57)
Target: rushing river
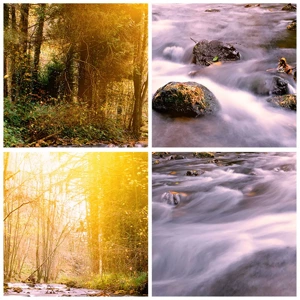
point(246, 118)
point(233, 232)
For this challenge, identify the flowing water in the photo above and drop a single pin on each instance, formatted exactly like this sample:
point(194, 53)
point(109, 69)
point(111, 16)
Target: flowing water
point(242, 87)
point(51, 290)
point(233, 232)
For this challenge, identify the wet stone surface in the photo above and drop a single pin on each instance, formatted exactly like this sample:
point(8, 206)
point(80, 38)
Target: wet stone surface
point(140, 144)
point(50, 290)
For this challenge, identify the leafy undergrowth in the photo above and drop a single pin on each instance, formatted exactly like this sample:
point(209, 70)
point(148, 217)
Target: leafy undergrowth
point(35, 125)
point(117, 284)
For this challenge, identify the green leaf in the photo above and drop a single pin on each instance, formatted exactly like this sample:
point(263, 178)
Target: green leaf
point(216, 58)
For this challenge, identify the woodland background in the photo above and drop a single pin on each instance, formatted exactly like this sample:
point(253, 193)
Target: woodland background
point(77, 218)
point(75, 74)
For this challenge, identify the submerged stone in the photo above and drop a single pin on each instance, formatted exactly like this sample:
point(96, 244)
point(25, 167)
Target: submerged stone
point(212, 10)
point(171, 198)
point(263, 84)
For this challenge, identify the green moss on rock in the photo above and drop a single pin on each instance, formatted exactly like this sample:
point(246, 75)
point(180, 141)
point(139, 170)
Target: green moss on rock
point(185, 99)
point(288, 101)
point(204, 154)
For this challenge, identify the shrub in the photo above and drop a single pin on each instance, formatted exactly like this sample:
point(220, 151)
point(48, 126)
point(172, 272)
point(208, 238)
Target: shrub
point(27, 122)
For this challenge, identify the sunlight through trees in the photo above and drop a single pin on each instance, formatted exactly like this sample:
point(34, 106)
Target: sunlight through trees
point(75, 215)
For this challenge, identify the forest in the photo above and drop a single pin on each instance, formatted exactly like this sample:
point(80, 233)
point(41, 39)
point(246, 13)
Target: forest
point(75, 74)
point(77, 219)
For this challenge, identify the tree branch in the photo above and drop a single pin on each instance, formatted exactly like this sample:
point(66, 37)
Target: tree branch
point(17, 209)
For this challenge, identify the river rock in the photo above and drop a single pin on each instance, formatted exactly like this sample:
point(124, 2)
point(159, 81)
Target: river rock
point(203, 155)
point(270, 272)
point(290, 7)
point(207, 52)
point(295, 74)
point(189, 99)
point(263, 84)
point(160, 154)
point(292, 25)
point(252, 5)
point(171, 198)
point(286, 101)
point(280, 86)
point(212, 10)
point(192, 173)
point(176, 157)
point(17, 290)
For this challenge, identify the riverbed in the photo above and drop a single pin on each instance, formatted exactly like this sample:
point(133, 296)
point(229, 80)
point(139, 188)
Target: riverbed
point(246, 119)
point(233, 231)
point(50, 290)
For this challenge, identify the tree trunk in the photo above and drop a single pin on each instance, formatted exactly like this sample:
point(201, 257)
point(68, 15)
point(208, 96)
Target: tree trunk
point(69, 75)
point(5, 58)
point(23, 83)
point(24, 28)
point(85, 88)
point(13, 69)
point(93, 213)
point(37, 48)
point(140, 88)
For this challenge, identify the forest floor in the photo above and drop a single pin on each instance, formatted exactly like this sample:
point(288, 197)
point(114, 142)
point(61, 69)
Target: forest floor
point(32, 125)
point(75, 143)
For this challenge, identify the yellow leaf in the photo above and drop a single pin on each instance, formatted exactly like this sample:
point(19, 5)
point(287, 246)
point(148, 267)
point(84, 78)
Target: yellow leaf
point(218, 63)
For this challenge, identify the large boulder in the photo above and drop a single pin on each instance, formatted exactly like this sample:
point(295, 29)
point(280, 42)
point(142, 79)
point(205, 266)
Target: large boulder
point(286, 101)
point(189, 99)
point(205, 52)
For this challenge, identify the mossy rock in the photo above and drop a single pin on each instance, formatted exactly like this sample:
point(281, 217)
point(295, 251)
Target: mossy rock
point(286, 101)
point(203, 154)
point(290, 7)
point(205, 51)
point(292, 25)
point(189, 99)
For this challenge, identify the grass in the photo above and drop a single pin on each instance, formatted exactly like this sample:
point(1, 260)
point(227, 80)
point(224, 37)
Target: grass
point(117, 283)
